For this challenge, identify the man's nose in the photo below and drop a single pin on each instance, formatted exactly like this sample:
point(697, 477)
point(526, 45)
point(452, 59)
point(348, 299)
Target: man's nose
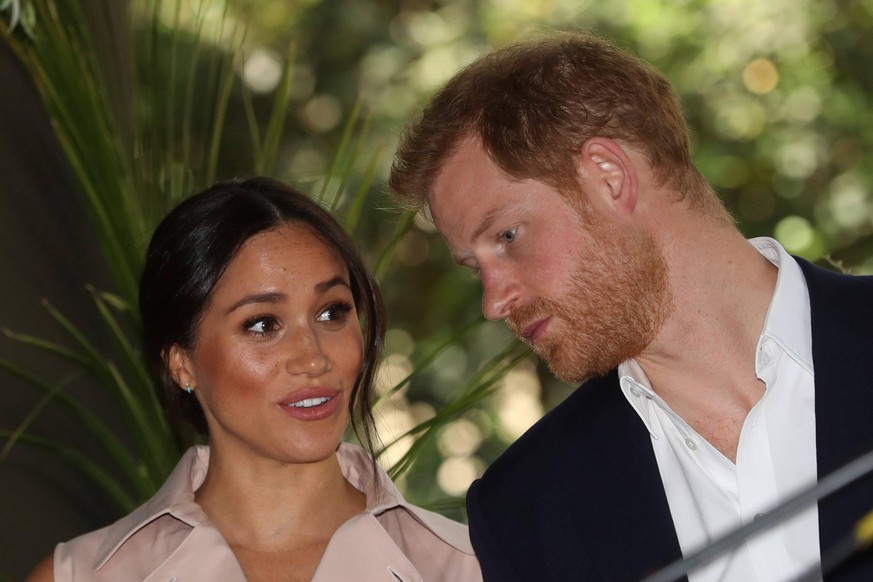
point(305, 353)
point(499, 293)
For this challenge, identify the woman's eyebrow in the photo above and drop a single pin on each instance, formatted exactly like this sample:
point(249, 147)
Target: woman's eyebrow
point(271, 297)
point(277, 297)
point(331, 283)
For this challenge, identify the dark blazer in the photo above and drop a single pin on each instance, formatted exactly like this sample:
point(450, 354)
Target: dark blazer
point(579, 495)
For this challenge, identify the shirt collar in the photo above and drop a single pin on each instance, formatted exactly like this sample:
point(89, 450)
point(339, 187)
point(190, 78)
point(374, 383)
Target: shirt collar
point(788, 322)
point(358, 470)
point(637, 390)
point(787, 325)
point(383, 495)
point(176, 497)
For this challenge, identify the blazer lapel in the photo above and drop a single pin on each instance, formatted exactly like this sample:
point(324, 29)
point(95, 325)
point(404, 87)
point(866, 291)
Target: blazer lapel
point(621, 507)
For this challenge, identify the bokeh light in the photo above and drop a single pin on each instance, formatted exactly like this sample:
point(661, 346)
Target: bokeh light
point(518, 401)
point(760, 76)
point(262, 71)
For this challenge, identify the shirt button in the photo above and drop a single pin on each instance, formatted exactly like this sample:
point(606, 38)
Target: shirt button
point(758, 516)
point(635, 392)
point(691, 444)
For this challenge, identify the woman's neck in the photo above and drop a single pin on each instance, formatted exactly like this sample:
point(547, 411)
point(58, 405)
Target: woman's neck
point(265, 507)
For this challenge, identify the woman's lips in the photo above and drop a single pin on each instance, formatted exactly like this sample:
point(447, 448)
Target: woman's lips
point(311, 403)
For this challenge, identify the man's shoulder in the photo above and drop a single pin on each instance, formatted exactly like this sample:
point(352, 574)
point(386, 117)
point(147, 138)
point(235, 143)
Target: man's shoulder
point(586, 463)
point(840, 303)
point(817, 276)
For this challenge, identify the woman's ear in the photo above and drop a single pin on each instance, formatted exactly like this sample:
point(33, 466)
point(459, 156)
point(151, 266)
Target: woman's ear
point(607, 169)
point(178, 362)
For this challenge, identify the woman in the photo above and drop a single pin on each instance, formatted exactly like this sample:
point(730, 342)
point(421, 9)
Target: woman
point(265, 328)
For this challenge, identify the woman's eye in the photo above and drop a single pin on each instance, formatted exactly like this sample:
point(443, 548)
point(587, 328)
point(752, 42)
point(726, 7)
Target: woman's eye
point(336, 312)
point(261, 325)
point(509, 234)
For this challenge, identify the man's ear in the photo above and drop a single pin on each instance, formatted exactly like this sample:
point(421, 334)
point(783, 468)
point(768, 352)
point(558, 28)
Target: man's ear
point(607, 169)
point(178, 361)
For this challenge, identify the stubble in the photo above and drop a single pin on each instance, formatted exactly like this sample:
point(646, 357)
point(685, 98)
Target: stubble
point(612, 309)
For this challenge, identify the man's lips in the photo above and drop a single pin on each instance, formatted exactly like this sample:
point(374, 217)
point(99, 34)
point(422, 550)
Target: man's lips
point(534, 331)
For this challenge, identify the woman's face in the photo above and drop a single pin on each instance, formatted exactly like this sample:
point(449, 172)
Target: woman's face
point(277, 351)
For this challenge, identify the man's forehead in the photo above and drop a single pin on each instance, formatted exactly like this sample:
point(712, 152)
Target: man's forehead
point(466, 169)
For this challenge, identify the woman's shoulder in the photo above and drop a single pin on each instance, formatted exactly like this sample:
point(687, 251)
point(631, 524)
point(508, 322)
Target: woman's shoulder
point(44, 571)
point(130, 548)
point(143, 538)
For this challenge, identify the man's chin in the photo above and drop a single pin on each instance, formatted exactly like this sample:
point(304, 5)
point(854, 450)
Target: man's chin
point(568, 372)
point(571, 376)
point(575, 370)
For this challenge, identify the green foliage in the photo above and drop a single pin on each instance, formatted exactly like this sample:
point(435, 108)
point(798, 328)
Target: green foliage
point(778, 95)
point(140, 142)
point(126, 174)
point(20, 14)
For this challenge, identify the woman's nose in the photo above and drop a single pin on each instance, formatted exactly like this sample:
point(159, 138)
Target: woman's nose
point(306, 355)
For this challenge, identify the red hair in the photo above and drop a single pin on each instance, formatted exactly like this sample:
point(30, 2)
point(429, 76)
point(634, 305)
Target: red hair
point(533, 104)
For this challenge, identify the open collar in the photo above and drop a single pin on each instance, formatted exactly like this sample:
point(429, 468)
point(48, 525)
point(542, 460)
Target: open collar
point(176, 498)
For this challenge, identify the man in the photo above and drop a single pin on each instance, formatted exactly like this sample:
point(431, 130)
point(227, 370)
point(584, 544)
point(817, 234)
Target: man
point(720, 377)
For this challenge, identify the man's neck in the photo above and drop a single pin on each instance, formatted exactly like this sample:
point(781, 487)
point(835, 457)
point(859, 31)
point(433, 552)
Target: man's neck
point(702, 363)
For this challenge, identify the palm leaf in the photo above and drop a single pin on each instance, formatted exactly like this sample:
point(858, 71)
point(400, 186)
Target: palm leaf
point(132, 356)
point(50, 393)
point(132, 170)
point(222, 101)
point(407, 220)
point(354, 213)
point(420, 366)
point(340, 153)
point(265, 161)
point(477, 388)
point(351, 162)
point(86, 465)
point(88, 420)
point(48, 347)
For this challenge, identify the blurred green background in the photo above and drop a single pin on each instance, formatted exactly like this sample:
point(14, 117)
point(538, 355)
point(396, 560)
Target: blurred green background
point(778, 95)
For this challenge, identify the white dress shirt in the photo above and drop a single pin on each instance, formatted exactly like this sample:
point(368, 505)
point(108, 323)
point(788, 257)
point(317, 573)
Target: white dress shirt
point(709, 495)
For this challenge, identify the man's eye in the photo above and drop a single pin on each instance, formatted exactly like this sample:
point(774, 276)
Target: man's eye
point(261, 325)
point(509, 234)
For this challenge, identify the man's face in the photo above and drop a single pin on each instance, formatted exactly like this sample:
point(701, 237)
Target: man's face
point(585, 294)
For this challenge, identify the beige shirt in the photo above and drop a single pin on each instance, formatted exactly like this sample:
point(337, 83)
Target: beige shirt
point(169, 538)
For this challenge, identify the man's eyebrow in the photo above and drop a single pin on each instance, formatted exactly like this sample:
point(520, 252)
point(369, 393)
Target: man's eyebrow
point(486, 223)
point(271, 297)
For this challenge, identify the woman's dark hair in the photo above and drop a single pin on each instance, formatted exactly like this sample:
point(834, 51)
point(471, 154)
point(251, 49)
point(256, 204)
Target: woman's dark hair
point(190, 251)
